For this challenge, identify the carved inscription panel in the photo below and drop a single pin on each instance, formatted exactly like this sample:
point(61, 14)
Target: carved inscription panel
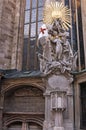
point(27, 99)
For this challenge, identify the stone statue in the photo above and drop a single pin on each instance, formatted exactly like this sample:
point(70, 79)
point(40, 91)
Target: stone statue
point(56, 63)
point(57, 53)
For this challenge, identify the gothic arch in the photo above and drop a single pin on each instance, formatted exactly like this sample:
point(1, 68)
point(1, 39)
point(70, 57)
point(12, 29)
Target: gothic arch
point(19, 85)
point(11, 120)
point(20, 95)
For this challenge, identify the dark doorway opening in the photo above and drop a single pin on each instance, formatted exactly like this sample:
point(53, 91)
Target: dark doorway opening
point(83, 105)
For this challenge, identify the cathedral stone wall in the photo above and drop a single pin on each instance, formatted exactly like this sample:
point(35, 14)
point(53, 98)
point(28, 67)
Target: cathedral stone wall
point(83, 8)
point(7, 26)
point(11, 47)
point(17, 50)
point(11, 24)
point(11, 32)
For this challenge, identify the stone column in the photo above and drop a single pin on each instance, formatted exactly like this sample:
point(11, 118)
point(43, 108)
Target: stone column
point(58, 121)
point(24, 126)
point(47, 121)
point(1, 110)
point(83, 9)
point(58, 106)
point(1, 105)
point(17, 46)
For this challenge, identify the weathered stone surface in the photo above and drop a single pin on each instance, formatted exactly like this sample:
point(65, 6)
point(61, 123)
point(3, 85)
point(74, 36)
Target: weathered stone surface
point(11, 33)
point(58, 82)
point(56, 63)
point(11, 44)
point(83, 9)
point(26, 100)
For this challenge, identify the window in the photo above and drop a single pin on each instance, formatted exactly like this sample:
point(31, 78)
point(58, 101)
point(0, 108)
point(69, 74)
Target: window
point(83, 105)
point(80, 43)
point(15, 126)
point(76, 32)
point(32, 24)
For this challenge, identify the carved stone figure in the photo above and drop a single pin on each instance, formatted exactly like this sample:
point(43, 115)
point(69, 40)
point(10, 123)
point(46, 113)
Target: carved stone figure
point(57, 53)
point(56, 63)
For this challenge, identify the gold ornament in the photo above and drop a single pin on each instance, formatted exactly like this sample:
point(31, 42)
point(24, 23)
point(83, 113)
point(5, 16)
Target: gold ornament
point(57, 10)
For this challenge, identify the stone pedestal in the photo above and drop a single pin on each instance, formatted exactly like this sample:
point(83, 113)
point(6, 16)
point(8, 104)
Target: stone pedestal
point(58, 106)
point(57, 103)
point(58, 119)
point(24, 126)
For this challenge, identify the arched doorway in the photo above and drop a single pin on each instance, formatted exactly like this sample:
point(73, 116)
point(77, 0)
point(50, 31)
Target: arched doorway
point(24, 108)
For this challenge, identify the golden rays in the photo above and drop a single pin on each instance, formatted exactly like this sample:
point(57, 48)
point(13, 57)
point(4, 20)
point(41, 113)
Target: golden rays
point(57, 10)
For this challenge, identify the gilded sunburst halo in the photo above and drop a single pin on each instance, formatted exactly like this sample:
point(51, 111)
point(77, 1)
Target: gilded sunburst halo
point(57, 10)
